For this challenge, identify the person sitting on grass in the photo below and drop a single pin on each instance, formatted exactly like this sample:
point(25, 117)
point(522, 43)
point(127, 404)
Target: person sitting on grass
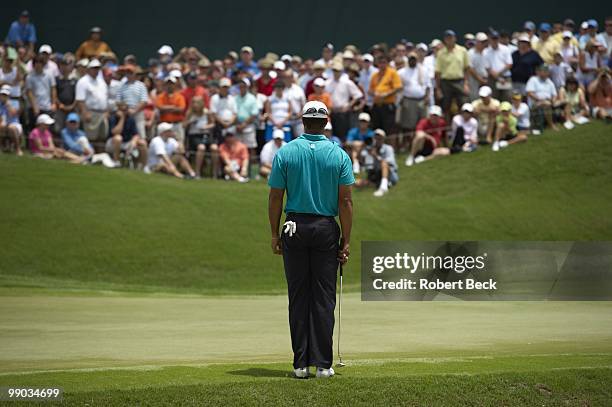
point(542, 96)
point(269, 151)
point(356, 137)
point(200, 124)
point(74, 139)
point(464, 131)
point(486, 109)
point(165, 154)
point(600, 93)
point(235, 157)
point(124, 137)
point(380, 164)
point(575, 107)
point(428, 139)
point(41, 142)
point(506, 131)
point(521, 111)
point(9, 120)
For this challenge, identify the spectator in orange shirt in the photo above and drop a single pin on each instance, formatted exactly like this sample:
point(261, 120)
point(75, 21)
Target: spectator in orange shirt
point(384, 86)
point(235, 158)
point(94, 46)
point(171, 105)
point(319, 93)
point(193, 89)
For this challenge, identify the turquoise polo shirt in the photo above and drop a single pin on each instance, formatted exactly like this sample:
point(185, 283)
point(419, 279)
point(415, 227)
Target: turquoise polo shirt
point(311, 168)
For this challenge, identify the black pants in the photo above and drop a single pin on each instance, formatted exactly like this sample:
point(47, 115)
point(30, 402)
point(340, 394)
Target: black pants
point(383, 117)
point(310, 258)
point(458, 141)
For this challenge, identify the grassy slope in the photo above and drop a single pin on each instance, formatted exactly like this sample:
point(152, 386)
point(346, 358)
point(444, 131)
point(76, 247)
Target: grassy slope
point(89, 228)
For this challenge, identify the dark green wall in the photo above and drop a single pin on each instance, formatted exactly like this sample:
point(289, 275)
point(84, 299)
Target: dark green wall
point(281, 26)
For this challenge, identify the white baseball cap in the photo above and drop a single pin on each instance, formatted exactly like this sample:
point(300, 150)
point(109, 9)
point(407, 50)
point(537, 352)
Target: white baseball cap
point(467, 107)
point(481, 36)
point(315, 109)
point(434, 43)
point(422, 46)
point(380, 132)
point(225, 82)
point(567, 34)
point(280, 66)
point(170, 78)
point(365, 117)
point(435, 110)
point(94, 63)
point(176, 73)
point(5, 90)
point(484, 91)
point(246, 48)
point(524, 38)
point(164, 127)
point(44, 119)
point(45, 48)
point(246, 81)
point(319, 82)
point(286, 57)
point(368, 57)
point(328, 126)
point(278, 133)
point(165, 50)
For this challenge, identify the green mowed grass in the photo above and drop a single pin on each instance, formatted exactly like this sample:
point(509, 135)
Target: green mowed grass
point(537, 380)
point(74, 227)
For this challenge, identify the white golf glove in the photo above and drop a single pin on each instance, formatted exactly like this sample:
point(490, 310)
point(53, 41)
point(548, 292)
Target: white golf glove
point(290, 227)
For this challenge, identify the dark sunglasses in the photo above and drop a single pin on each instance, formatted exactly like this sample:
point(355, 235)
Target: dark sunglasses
point(313, 110)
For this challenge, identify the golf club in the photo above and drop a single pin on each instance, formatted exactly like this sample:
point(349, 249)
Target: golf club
point(340, 362)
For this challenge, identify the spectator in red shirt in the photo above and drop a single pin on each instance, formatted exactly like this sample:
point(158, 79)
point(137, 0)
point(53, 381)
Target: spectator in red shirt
point(430, 138)
point(265, 83)
point(235, 158)
point(193, 89)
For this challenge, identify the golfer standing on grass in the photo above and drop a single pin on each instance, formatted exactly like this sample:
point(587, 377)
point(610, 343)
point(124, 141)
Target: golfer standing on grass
point(317, 175)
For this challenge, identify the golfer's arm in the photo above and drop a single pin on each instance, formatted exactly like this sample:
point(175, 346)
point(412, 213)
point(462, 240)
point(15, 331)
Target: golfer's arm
point(345, 210)
point(275, 209)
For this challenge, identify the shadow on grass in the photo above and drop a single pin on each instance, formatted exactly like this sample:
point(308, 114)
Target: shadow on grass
point(261, 372)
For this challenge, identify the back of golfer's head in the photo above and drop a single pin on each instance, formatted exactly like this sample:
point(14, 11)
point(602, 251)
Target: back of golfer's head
point(314, 125)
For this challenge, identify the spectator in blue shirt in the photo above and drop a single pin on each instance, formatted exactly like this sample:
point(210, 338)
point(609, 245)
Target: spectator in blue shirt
point(74, 139)
point(22, 32)
point(356, 137)
point(246, 62)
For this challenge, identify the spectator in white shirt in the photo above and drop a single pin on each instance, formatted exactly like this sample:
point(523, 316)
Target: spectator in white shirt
point(269, 151)
point(478, 73)
point(344, 95)
point(223, 107)
point(414, 93)
point(464, 130)
point(92, 102)
point(499, 63)
point(559, 71)
point(520, 110)
point(367, 70)
point(542, 94)
point(50, 67)
point(296, 97)
point(164, 154)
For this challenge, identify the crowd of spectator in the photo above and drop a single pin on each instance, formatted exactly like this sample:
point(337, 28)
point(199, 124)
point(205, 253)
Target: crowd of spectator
point(188, 116)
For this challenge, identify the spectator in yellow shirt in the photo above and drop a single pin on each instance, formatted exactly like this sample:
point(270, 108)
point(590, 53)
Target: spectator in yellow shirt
point(384, 86)
point(94, 46)
point(547, 47)
point(452, 66)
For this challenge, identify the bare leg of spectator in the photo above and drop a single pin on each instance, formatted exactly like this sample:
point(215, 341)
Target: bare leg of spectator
point(199, 163)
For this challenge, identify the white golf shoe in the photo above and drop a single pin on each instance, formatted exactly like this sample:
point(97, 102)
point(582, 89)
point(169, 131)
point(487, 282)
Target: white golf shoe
point(301, 373)
point(325, 373)
point(568, 125)
point(380, 192)
point(495, 146)
point(503, 143)
point(409, 161)
point(419, 159)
